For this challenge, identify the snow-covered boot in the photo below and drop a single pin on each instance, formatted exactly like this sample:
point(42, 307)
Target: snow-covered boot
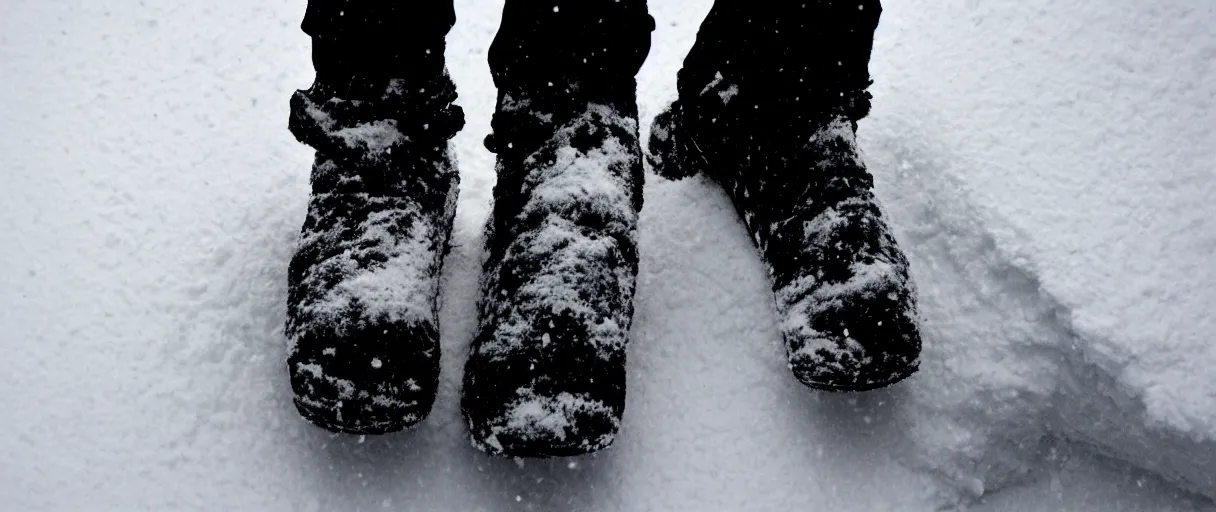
point(546, 372)
point(361, 313)
point(769, 99)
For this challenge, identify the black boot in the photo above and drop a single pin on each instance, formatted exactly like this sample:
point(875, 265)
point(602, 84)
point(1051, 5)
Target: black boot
point(769, 100)
point(361, 313)
point(546, 371)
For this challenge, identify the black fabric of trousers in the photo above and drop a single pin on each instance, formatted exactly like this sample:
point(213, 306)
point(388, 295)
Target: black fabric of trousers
point(787, 48)
point(789, 45)
point(538, 41)
point(378, 38)
point(582, 40)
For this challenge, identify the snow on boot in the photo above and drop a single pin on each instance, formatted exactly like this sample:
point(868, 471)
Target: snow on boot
point(361, 309)
point(546, 371)
point(781, 140)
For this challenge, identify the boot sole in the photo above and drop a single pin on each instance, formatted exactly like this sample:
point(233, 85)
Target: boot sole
point(324, 418)
point(844, 388)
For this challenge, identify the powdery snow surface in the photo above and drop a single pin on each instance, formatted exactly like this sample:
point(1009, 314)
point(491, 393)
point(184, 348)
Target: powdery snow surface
point(1045, 164)
point(1087, 151)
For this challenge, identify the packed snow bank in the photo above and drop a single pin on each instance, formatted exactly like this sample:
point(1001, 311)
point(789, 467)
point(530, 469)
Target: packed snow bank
point(977, 410)
point(1004, 378)
point(1086, 133)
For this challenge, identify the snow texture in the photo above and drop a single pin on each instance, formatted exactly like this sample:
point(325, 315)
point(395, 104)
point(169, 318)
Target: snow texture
point(400, 288)
point(538, 417)
point(1045, 164)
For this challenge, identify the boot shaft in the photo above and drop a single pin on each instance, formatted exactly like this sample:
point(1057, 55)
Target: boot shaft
point(381, 137)
point(526, 114)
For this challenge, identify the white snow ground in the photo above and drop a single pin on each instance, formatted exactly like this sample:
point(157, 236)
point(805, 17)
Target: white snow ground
point(1047, 165)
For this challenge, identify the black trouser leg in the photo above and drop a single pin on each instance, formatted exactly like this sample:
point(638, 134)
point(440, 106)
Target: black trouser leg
point(787, 46)
point(560, 40)
point(378, 39)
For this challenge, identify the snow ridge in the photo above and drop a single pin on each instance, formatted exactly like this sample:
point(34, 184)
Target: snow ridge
point(997, 394)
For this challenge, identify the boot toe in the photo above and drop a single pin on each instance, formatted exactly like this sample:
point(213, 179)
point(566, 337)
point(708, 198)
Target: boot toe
point(860, 342)
point(549, 426)
point(376, 380)
point(558, 400)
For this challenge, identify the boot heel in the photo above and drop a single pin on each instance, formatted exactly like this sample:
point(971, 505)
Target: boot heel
point(671, 153)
